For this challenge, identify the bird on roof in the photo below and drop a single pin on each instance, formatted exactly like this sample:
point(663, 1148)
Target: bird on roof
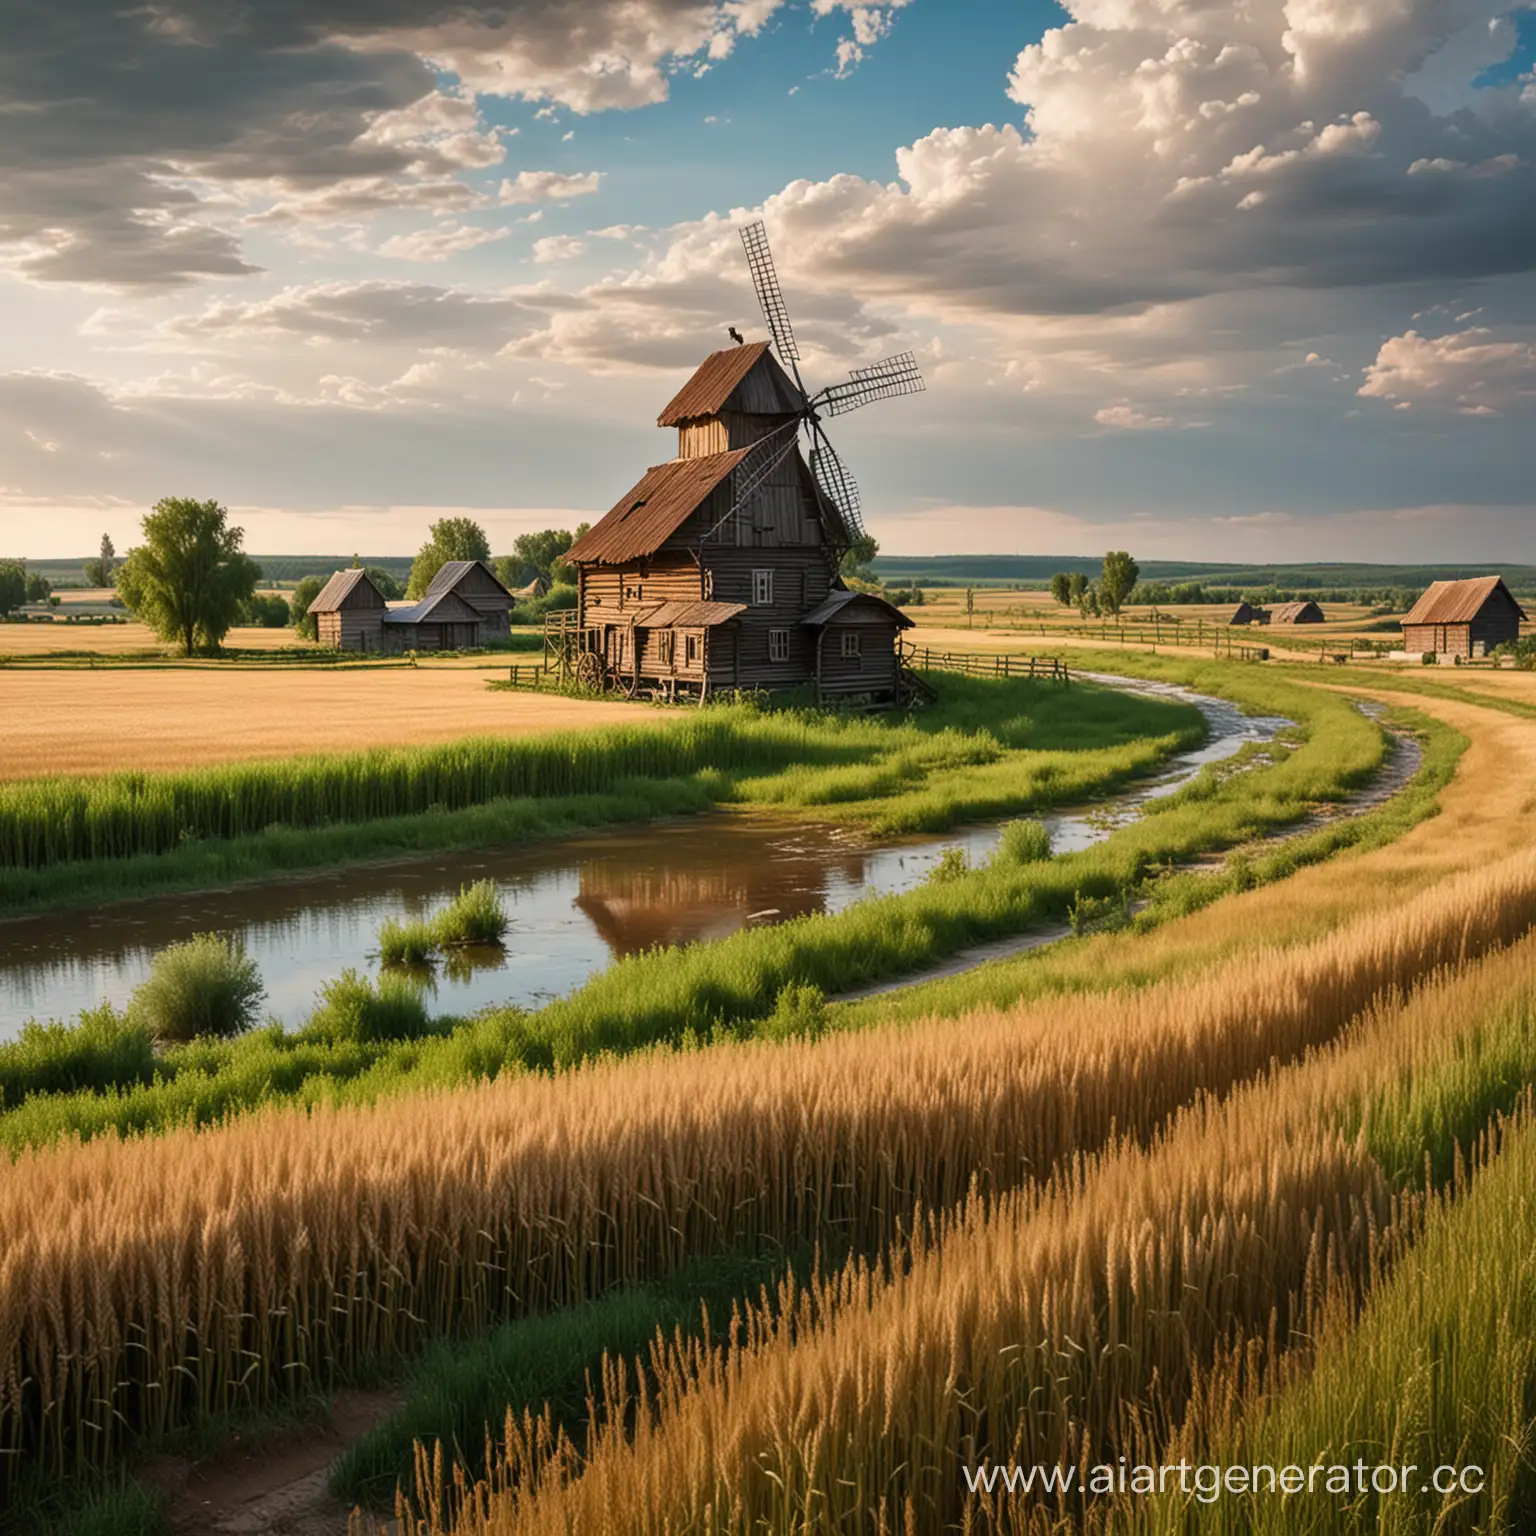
point(736, 336)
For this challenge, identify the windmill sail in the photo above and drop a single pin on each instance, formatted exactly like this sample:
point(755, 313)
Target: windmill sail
point(892, 376)
point(837, 485)
point(760, 262)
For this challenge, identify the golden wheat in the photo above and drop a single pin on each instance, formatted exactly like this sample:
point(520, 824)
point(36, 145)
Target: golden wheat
point(146, 1282)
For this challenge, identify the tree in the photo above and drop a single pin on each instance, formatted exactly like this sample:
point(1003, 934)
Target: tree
point(13, 585)
point(451, 538)
point(1061, 588)
point(266, 611)
point(190, 578)
point(389, 588)
point(860, 555)
point(1077, 587)
point(307, 590)
point(39, 588)
point(98, 572)
point(1088, 602)
point(538, 553)
point(1118, 579)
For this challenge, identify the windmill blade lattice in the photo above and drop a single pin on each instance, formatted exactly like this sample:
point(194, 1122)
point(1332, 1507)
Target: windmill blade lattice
point(837, 485)
point(898, 375)
point(769, 295)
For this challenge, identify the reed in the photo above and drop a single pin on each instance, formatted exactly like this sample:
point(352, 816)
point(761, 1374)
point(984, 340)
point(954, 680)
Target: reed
point(190, 1274)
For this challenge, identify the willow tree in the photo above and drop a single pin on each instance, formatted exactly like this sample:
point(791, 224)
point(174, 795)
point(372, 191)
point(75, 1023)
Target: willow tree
point(190, 578)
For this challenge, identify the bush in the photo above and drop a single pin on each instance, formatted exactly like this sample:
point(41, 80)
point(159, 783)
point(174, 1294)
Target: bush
point(406, 943)
point(353, 1009)
point(266, 611)
point(800, 1013)
point(476, 916)
point(207, 986)
point(104, 1050)
point(1024, 842)
point(951, 866)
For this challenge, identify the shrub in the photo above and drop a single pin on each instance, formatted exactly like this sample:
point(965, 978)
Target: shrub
point(476, 916)
point(799, 1014)
point(207, 986)
point(1024, 842)
point(406, 943)
point(354, 1009)
point(106, 1049)
point(951, 866)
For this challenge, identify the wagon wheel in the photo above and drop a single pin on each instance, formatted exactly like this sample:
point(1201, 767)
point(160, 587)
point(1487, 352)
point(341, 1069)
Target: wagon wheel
point(590, 672)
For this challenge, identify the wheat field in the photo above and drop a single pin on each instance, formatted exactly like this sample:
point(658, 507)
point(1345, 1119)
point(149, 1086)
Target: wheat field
point(90, 721)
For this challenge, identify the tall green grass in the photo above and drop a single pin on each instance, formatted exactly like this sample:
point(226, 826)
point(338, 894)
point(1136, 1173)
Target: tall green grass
point(476, 916)
point(50, 821)
point(205, 986)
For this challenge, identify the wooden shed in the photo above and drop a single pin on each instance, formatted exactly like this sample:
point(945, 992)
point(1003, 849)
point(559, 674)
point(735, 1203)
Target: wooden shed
point(1246, 613)
point(349, 612)
point(441, 623)
point(475, 583)
point(1297, 613)
point(1463, 618)
point(856, 652)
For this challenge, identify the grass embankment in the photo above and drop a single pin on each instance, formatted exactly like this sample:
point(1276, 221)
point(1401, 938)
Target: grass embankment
point(1070, 1322)
point(735, 984)
point(987, 748)
point(146, 1296)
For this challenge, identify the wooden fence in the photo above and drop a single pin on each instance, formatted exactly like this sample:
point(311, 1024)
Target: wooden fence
point(1049, 668)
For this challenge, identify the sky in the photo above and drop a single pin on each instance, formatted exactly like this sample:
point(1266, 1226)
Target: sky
point(1206, 279)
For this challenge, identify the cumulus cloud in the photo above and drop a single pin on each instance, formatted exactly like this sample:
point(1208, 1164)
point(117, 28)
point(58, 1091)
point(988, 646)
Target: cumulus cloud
point(548, 186)
point(1468, 371)
point(1125, 417)
point(557, 248)
point(439, 242)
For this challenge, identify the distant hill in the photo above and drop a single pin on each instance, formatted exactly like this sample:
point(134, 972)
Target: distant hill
point(1036, 570)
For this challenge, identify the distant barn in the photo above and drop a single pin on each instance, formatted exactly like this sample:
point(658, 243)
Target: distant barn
point(444, 622)
point(1463, 618)
point(349, 612)
point(475, 583)
point(1297, 613)
point(1246, 613)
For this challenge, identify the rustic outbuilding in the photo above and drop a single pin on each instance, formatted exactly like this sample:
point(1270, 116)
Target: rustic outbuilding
point(1297, 613)
point(702, 578)
point(1246, 613)
point(349, 612)
point(1463, 618)
point(475, 583)
point(444, 622)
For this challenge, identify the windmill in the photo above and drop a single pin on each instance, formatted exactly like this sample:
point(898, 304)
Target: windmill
point(898, 375)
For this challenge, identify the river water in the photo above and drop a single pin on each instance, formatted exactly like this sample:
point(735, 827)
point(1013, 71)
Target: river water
point(574, 905)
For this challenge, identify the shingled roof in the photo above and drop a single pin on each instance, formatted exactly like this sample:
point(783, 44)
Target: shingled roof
point(451, 572)
point(435, 608)
point(1303, 612)
point(1458, 602)
point(648, 514)
point(837, 600)
point(339, 588)
point(720, 375)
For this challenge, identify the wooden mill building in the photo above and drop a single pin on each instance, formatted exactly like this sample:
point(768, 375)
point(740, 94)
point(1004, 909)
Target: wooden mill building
point(1463, 618)
point(689, 586)
point(476, 584)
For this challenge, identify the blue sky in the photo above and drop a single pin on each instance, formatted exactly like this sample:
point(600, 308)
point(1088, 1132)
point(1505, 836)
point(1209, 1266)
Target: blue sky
point(1210, 282)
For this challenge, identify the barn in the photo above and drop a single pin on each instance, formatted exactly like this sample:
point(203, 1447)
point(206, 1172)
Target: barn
point(1297, 613)
point(1463, 618)
point(349, 612)
point(475, 583)
point(1246, 613)
point(441, 623)
point(856, 645)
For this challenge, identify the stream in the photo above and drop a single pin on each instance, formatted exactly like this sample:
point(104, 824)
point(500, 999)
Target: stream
point(574, 905)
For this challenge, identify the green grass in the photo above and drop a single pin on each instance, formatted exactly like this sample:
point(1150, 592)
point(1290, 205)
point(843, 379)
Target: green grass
point(205, 986)
point(475, 916)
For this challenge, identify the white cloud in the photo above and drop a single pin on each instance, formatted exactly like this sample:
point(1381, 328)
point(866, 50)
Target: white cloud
point(439, 242)
point(549, 186)
point(1125, 417)
point(1468, 371)
point(557, 248)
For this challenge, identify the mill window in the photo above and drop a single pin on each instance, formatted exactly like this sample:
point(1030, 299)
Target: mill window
point(762, 587)
point(778, 645)
point(691, 650)
point(850, 645)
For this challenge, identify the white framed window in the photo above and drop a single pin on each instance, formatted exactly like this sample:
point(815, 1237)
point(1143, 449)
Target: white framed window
point(762, 588)
point(778, 645)
point(849, 646)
